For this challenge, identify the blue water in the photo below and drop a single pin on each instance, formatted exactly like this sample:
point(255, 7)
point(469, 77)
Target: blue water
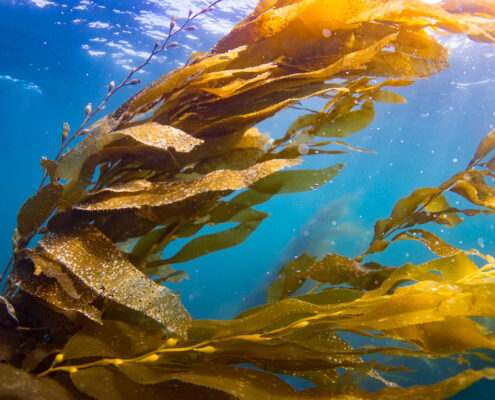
point(55, 57)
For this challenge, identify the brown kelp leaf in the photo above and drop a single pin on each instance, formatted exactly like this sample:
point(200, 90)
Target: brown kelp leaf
point(332, 296)
point(347, 124)
point(404, 210)
point(385, 96)
point(255, 384)
point(451, 268)
point(152, 134)
point(232, 211)
point(479, 194)
point(433, 242)
point(214, 242)
point(174, 80)
point(235, 159)
point(335, 269)
point(280, 288)
point(438, 204)
point(103, 383)
point(9, 308)
point(17, 384)
point(296, 181)
point(405, 66)
point(71, 162)
point(52, 269)
point(50, 168)
point(50, 292)
point(93, 258)
point(36, 210)
point(155, 194)
point(253, 138)
point(112, 339)
point(454, 335)
point(172, 276)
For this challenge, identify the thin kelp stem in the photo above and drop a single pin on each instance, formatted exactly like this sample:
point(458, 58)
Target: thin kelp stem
point(3, 277)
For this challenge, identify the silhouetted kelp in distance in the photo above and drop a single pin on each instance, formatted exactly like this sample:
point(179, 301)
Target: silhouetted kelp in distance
point(78, 307)
point(331, 228)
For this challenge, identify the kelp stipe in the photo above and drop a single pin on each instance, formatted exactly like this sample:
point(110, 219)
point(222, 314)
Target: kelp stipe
point(88, 315)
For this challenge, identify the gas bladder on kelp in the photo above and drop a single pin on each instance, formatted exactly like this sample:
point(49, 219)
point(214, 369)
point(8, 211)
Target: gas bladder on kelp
point(193, 120)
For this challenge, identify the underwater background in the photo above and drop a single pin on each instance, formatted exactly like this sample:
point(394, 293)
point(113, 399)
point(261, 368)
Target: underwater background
point(56, 56)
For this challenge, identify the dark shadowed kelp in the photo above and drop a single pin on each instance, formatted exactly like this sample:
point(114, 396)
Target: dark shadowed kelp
point(85, 315)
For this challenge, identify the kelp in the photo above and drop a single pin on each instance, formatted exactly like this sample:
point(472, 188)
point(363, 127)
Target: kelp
point(183, 155)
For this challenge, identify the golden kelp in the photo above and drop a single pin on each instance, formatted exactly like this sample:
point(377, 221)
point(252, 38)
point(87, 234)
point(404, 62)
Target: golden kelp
point(160, 168)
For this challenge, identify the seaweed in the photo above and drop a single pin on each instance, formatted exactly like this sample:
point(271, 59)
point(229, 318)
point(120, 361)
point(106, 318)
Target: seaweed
point(87, 309)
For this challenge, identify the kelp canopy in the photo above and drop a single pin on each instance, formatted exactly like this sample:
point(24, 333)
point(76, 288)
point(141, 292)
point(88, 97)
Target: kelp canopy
point(86, 314)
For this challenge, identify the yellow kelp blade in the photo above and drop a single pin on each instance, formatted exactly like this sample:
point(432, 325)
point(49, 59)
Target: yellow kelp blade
point(136, 194)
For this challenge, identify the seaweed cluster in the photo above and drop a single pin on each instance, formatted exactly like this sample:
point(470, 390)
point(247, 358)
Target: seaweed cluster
point(87, 310)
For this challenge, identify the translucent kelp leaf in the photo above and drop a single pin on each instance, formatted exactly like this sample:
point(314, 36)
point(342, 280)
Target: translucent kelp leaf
point(347, 124)
point(161, 193)
point(113, 339)
point(404, 66)
point(438, 204)
point(18, 384)
point(50, 292)
point(451, 268)
point(232, 211)
point(403, 210)
point(385, 96)
point(296, 181)
point(214, 242)
point(94, 259)
point(253, 138)
point(454, 335)
point(236, 86)
point(151, 134)
point(332, 296)
point(172, 277)
point(279, 289)
point(481, 195)
point(335, 269)
point(303, 121)
point(433, 242)
point(36, 210)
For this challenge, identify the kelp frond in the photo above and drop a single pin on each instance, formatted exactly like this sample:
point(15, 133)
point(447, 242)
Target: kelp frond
point(88, 303)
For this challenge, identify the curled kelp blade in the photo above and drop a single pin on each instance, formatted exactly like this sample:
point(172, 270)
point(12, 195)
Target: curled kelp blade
point(51, 293)
point(94, 259)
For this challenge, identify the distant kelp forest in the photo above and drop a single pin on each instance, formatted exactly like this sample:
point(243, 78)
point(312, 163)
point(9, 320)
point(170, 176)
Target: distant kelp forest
point(86, 312)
